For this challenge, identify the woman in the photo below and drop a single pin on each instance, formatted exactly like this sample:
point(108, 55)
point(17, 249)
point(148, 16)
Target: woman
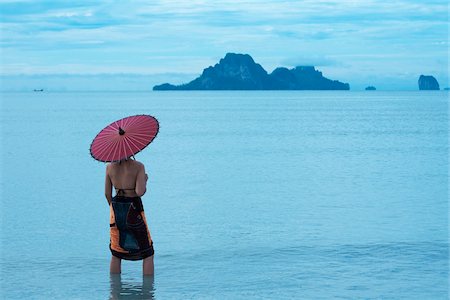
point(130, 237)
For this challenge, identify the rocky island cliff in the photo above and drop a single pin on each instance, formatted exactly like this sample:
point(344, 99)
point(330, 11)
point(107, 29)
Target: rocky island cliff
point(427, 82)
point(240, 72)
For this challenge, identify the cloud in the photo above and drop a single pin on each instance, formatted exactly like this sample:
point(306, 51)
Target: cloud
point(310, 60)
point(186, 36)
point(90, 82)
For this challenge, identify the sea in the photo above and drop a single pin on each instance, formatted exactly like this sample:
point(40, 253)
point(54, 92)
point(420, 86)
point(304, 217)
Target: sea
point(251, 195)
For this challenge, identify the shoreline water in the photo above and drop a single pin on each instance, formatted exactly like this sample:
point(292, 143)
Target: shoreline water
point(260, 194)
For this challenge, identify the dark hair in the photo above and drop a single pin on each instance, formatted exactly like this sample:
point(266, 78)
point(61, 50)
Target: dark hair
point(125, 159)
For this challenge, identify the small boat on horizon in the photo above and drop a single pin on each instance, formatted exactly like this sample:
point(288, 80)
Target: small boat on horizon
point(38, 90)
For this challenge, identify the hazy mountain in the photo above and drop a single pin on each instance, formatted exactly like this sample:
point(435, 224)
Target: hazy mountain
point(240, 72)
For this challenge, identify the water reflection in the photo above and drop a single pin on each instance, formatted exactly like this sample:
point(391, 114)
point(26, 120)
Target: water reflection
point(131, 290)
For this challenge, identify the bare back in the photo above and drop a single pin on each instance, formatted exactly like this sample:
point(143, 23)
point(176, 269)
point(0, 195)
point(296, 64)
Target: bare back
point(129, 176)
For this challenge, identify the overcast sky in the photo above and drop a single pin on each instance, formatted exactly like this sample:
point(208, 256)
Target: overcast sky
point(370, 42)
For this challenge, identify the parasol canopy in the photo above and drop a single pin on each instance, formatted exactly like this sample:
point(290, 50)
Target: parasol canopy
point(124, 138)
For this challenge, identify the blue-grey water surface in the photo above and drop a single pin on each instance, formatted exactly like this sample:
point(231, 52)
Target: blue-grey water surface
point(251, 195)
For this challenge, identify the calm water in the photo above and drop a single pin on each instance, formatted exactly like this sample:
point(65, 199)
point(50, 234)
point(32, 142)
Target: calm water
point(252, 195)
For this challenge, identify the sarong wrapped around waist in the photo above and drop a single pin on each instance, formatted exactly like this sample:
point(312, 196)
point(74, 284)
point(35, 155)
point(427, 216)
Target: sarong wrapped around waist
point(129, 235)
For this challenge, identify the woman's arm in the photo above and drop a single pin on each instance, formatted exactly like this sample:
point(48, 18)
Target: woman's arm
point(141, 181)
point(108, 186)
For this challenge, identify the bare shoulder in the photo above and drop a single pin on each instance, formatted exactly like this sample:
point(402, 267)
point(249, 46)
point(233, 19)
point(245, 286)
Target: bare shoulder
point(111, 166)
point(139, 165)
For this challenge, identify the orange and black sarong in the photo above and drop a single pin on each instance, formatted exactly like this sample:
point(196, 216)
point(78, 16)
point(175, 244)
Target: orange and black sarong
point(130, 237)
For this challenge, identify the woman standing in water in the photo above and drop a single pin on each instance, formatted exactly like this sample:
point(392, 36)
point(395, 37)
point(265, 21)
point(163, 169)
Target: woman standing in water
point(117, 143)
point(129, 235)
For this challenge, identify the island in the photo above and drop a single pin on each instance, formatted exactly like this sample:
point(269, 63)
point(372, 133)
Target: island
point(427, 82)
point(240, 72)
point(371, 88)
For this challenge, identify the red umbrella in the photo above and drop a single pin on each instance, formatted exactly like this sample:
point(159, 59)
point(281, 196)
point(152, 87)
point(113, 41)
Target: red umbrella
point(124, 138)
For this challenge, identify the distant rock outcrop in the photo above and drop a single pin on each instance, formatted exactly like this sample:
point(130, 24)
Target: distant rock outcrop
point(240, 72)
point(428, 83)
point(370, 88)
